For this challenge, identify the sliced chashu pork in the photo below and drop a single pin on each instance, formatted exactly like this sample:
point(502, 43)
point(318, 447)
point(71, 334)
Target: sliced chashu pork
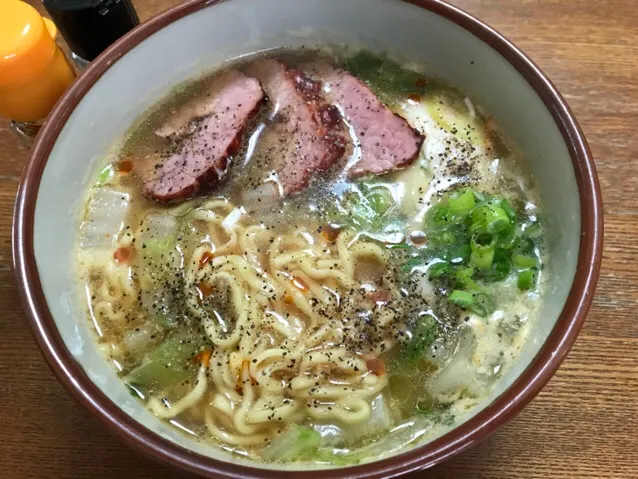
point(386, 141)
point(202, 158)
point(304, 134)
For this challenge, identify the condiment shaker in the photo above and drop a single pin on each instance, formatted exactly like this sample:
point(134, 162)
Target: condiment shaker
point(34, 72)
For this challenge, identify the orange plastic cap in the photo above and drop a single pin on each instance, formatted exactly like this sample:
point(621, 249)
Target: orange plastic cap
point(26, 42)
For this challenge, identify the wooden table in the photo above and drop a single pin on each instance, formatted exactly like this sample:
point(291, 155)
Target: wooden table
point(583, 424)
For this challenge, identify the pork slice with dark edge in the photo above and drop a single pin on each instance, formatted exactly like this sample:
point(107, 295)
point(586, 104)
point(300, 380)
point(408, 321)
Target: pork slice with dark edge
point(303, 135)
point(386, 141)
point(202, 158)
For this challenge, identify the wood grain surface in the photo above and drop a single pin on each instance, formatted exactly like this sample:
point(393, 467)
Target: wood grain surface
point(583, 424)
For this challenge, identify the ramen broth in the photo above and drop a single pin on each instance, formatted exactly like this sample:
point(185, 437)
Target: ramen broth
point(353, 313)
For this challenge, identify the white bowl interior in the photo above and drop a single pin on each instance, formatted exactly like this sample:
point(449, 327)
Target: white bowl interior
point(239, 27)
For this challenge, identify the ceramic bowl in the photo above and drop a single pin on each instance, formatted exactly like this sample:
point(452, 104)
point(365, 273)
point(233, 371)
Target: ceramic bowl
point(200, 34)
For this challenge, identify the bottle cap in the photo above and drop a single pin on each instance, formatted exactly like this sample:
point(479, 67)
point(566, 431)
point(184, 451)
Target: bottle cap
point(26, 42)
point(33, 70)
point(90, 26)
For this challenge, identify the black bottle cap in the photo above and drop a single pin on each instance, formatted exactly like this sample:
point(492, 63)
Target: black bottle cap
point(90, 26)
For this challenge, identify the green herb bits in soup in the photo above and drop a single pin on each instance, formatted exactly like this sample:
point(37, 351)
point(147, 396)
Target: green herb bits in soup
point(312, 257)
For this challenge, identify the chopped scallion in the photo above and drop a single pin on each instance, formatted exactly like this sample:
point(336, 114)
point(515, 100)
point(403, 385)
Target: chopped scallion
point(479, 196)
point(461, 254)
point(463, 299)
point(477, 302)
point(533, 230)
point(523, 262)
point(482, 304)
point(438, 269)
point(490, 217)
point(463, 277)
point(483, 242)
point(106, 175)
point(441, 215)
point(482, 246)
point(509, 211)
point(462, 203)
point(500, 267)
point(523, 246)
point(508, 238)
point(474, 239)
point(482, 260)
point(526, 279)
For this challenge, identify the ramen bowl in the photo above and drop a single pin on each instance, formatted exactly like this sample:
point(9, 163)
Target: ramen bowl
point(197, 35)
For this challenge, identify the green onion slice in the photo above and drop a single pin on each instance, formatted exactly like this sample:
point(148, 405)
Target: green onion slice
point(526, 279)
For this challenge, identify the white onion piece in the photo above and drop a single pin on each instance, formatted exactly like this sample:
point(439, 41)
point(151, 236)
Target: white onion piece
point(264, 194)
point(387, 238)
point(158, 226)
point(104, 218)
point(331, 434)
point(232, 218)
point(470, 107)
point(141, 339)
point(380, 421)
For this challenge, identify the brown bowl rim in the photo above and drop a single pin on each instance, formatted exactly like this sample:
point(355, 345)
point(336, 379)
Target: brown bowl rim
point(473, 431)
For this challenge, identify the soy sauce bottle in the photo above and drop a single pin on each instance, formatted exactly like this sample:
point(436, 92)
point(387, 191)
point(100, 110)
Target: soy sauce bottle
point(90, 26)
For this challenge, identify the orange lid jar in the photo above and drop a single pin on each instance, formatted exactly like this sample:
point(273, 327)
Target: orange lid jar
point(33, 70)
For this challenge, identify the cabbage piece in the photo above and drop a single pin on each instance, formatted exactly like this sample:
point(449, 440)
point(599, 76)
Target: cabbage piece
point(459, 374)
point(297, 443)
point(261, 196)
point(380, 421)
point(104, 218)
point(341, 435)
point(331, 434)
point(158, 268)
point(335, 457)
point(158, 228)
point(140, 339)
point(396, 440)
point(367, 206)
point(168, 363)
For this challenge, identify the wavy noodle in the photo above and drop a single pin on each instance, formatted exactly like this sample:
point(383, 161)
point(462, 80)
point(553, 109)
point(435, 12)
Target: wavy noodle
point(111, 286)
point(230, 438)
point(279, 317)
point(347, 410)
point(215, 333)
